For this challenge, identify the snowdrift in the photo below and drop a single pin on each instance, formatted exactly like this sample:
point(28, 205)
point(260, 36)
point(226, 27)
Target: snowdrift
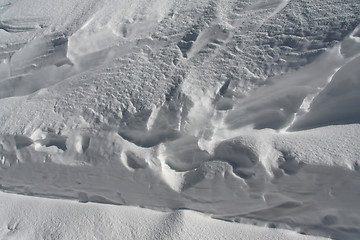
point(247, 111)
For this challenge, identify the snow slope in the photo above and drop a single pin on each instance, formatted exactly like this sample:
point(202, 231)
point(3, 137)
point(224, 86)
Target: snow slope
point(244, 110)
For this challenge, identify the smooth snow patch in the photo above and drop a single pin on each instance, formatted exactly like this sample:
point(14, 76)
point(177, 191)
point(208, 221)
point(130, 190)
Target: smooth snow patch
point(24, 217)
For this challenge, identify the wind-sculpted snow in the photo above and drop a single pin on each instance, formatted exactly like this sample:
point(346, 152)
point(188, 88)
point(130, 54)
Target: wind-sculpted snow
point(338, 103)
point(245, 110)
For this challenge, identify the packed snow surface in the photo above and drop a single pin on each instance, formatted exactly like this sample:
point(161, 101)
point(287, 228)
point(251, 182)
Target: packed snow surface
point(246, 111)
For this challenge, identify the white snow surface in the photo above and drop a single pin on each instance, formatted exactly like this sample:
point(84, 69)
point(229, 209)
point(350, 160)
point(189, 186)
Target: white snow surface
point(246, 111)
point(24, 217)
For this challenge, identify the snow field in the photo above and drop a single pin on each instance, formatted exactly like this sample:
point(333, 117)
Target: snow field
point(237, 109)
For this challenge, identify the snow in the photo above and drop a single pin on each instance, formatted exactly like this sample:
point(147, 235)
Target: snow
point(245, 111)
point(24, 217)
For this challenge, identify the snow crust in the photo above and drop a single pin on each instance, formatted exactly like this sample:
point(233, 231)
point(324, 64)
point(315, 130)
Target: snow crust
point(247, 111)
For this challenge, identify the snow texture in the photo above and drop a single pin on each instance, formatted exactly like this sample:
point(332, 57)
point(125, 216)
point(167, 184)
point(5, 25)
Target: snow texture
point(247, 111)
point(35, 218)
